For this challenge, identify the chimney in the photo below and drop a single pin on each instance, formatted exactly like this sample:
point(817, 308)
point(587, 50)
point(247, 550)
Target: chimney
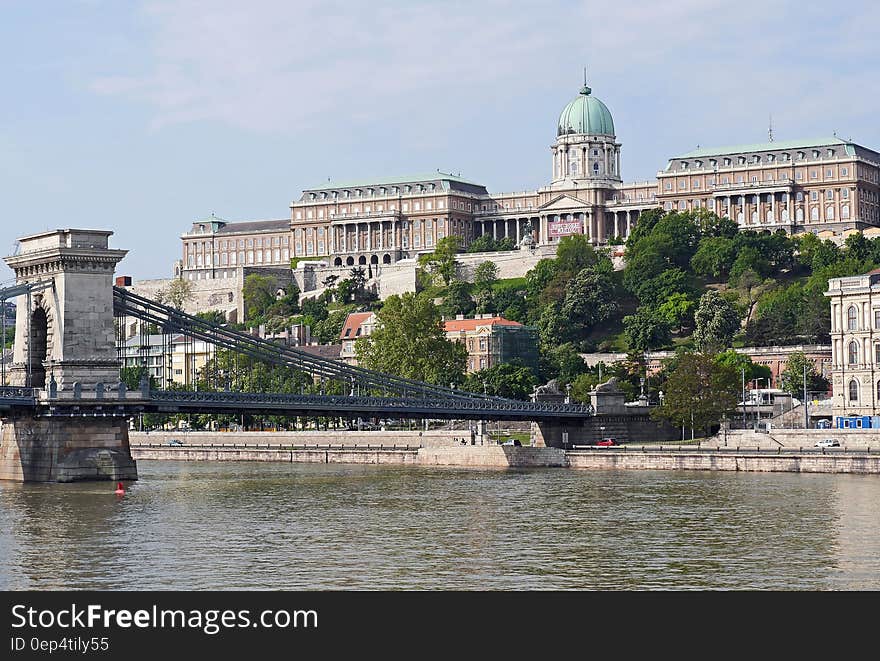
point(123, 281)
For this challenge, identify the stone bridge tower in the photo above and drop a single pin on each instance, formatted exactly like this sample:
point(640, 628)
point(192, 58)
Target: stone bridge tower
point(65, 332)
point(65, 346)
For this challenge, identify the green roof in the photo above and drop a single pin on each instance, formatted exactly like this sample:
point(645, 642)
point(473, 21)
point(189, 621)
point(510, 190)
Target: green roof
point(764, 146)
point(585, 115)
point(393, 181)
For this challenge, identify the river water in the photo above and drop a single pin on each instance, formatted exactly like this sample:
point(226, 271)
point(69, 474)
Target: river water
point(256, 526)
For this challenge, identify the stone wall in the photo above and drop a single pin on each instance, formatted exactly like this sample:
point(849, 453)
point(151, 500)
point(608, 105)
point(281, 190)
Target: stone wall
point(431, 438)
point(69, 449)
point(633, 428)
point(740, 461)
point(223, 294)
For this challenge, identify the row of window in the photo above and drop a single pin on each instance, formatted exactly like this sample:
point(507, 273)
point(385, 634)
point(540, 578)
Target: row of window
point(371, 191)
point(696, 184)
point(761, 158)
point(268, 256)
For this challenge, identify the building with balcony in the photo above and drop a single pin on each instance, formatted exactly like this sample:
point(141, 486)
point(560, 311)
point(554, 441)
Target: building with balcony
point(828, 186)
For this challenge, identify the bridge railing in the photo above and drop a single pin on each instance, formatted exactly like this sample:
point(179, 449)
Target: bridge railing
point(354, 401)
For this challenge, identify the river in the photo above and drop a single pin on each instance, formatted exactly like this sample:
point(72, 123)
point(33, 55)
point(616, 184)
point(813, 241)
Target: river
point(268, 526)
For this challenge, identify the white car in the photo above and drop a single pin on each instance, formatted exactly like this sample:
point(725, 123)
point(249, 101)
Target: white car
point(828, 443)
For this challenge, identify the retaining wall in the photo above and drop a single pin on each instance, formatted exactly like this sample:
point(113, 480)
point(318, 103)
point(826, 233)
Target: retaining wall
point(431, 438)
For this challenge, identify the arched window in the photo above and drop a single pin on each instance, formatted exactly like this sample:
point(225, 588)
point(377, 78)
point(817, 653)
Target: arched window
point(829, 213)
point(799, 215)
point(853, 353)
point(852, 322)
point(844, 211)
point(878, 391)
point(877, 354)
point(853, 391)
point(814, 213)
point(574, 163)
point(595, 168)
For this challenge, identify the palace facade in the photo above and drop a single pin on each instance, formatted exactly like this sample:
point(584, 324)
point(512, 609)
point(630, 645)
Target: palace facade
point(826, 184)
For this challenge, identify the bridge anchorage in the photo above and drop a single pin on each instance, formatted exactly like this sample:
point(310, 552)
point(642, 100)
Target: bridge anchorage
point(65, 411)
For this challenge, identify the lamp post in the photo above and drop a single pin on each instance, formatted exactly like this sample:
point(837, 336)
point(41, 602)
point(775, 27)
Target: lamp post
point(568, 393)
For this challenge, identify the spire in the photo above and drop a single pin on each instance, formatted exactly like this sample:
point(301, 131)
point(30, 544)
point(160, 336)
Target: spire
point(770, 129)
point(585, 90)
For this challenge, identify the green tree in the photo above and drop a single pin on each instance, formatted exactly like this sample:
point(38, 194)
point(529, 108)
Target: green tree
point(589, 300)
point(485, 275)
point(645, 330)
point(177, 293)
point(739, 362)
point(857, 246)
point(714, 257)
point(677, 310)
point(483, 243)
point(442, 262)
point(212, 316)
point(792, 376)
point(258, 293)
point(574, 253)
point(409, 340)
point(699, 392)
point(716, 322)
point(329, 329)
point(511, 380)
point(457, 300)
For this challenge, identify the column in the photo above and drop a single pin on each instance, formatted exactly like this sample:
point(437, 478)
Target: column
point(519, 228)
point(789, 203)
point(773, 207)
point(542, 223)
point(495, 229)
point(616, 228)
point(628, 223)
point(590, 233)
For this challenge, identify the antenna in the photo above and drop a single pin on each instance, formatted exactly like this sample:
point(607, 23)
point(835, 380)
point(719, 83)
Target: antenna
point(585, 76)
point(770, 129)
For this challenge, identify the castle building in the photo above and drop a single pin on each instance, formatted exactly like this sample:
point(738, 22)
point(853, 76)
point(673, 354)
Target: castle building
point(826, 184)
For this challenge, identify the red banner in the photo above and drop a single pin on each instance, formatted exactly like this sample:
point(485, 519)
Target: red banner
point(565, 227)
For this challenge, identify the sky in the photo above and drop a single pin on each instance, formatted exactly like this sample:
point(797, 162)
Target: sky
point(143, 116)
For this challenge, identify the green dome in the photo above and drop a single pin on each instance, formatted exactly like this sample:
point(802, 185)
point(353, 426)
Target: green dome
point(587, 115)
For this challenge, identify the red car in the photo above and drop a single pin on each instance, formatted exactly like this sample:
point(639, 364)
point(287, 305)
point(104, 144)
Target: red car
point(606, 442)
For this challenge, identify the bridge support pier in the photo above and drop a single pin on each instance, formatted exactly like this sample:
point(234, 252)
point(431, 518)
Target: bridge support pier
point(65, 449)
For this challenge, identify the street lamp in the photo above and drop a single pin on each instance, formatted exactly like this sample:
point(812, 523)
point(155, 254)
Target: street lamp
point(568, 393)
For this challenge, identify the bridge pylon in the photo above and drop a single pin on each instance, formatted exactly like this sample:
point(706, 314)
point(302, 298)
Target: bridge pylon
point(65, 343)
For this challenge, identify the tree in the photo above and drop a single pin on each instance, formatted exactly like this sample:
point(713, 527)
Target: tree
point(751, 286)
point(589, 300)
point(716, 321)
point(212, 316)
point(409, 340)
point(677, 311)
point(258, 292)
point(857, 246)
point(457, 300)
point(793, 376)
point(739, 362)
point(328, 330)
point(178, 292)
point(714, 257)
point(645, 330)
point(485, 275)
point(699, 392)
point(575, 253)
point(441, 262)
point(511, 380)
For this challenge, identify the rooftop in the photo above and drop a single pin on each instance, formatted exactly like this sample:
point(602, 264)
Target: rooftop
point(394, 181)
point(454, 325)
point(763, 146)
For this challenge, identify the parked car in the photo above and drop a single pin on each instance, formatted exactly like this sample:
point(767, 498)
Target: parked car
point(607, 442)
point(513, 441)
point(175, 441)
point(823, 424)
point(828, 443)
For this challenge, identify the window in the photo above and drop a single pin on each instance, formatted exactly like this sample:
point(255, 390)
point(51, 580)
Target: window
point(828, 173)
point(852, 321)
point(814, 196)
point(854, 391)
point(844, 193)
point(844, 172)
point(853, 353)
point(813, 174)
point(844, 213)
point(829, 194)
point(799, 196)
point(829, 213)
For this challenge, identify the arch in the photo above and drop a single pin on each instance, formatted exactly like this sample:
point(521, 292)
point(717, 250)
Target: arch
point(362, 260)
point(739, 217)
point(374, 259)
point(799, 215)
point(386, 258)
point(337, 261)
point(755, 218)
point(39, 347)
point(770, 217)
point(852, 318)
point(852, 354)
point(814, 213)
point(785, 215)
point(829, 213)
point(853, 390)
point(349, 261)
point(844, 211)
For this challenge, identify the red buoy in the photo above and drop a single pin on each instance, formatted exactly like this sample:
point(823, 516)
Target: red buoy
point(120, 489)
